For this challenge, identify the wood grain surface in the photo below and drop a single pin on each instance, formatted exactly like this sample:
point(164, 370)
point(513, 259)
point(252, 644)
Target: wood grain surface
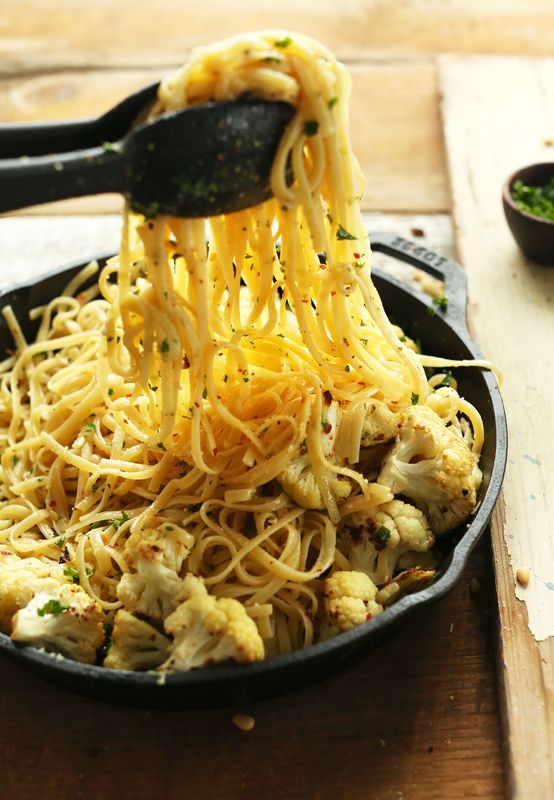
point(416, 719)
point(512, 311)
point(39, 35)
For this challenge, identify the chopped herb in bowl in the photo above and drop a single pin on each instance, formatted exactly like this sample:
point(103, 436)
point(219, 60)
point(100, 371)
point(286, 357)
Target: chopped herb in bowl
point(528, 202)
point(536, 200)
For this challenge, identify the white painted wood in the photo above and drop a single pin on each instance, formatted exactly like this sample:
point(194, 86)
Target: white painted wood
point(498, 114)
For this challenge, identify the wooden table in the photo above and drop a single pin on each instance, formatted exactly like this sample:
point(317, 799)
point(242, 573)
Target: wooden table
point(421, 716)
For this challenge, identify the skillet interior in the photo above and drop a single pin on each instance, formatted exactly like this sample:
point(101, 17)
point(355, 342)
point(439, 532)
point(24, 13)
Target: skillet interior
point(443, 335)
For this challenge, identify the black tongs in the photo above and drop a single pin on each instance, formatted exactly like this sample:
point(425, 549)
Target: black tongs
point(205, 160)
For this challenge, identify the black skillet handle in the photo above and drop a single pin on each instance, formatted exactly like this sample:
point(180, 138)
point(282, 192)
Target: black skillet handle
point(29, 181)
point(455, 280)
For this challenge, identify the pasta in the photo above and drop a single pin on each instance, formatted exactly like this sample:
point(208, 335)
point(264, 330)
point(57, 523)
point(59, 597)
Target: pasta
point(236, 404)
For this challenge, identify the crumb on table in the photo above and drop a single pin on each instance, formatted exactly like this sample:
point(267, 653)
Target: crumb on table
point(244, 722)
point(523, 576)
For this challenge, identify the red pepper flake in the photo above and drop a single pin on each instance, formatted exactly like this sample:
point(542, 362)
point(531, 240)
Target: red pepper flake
point(186, 362)
point(326, 427)
point(52, 504)
point(357, 255)
point(333, 293)
point(328, 397)
point(368, 616)
point(345, 340)
point(419, 232)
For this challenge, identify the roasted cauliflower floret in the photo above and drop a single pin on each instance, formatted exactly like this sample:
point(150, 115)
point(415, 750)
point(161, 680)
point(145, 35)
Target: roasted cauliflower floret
point(349, 600)
point(20, 580)
point(406, 582)
point(156, 555)
point(443, 401)
point(65, 620)
point(379, 426)
point(208, 629)
point(378, 538)
point(432, 465)
point(135, 644)
point(299, 480)
point(191, 586)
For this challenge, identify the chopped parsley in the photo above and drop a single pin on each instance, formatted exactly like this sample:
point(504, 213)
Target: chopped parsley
point(53, 607)
point(89, 427)
point(204, 393)
point(343, 234)
point(535, 200)
point(60, 543)
point(72, 573)
point(326, 427)
point(110, 392)
point(162, 446)
point(117, 523)
point(283, 42)
point(441, 301)
point(112, 147)
point(381, 537)
point(164, 346)
point(333, 101)
point(415, 399)
point(311, 127)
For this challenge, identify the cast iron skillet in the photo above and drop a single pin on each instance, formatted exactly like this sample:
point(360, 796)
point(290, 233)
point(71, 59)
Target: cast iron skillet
point(443, 334)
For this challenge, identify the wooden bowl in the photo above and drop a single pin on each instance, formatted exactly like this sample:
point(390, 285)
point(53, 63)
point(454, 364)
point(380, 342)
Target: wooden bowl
point(534, 235)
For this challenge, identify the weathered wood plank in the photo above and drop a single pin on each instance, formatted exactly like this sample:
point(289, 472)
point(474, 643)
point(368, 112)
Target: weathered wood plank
point(498, 113)
point(38, 35)
point(396, 129)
